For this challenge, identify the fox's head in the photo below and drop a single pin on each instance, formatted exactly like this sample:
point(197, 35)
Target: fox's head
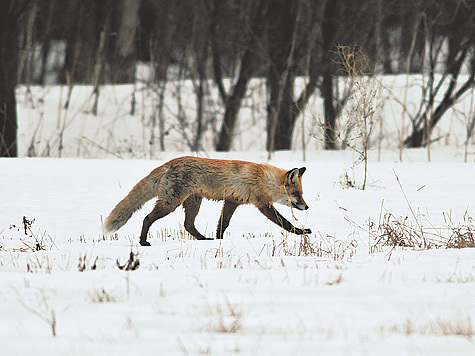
point(293, 189)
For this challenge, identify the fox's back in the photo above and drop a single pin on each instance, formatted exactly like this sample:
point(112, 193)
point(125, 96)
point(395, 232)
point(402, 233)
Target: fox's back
point(213, 179)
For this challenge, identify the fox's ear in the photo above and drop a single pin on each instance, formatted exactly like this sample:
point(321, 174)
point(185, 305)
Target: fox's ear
point(292, 175)
point(302, 171)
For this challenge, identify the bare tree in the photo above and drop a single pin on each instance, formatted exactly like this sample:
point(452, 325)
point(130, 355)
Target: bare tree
point(361, 109)
point(452, 22)
point(282, 22)
point(158, 22)
point(252, 16)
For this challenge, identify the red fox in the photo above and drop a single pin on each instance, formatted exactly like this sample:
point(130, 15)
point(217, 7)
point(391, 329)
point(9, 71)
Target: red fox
point(186, 180)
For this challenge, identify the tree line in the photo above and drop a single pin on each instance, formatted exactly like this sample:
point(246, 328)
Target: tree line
point(277, 40)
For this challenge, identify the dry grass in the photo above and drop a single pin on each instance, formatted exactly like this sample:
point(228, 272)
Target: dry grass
point(457, 325)
point(461, 235)
point(33, 242)
point(327, 247)
point(395, 232)
point(39, 264)
point(456, 277)
point(100, 295)
point(418, 232)
point(223, 317)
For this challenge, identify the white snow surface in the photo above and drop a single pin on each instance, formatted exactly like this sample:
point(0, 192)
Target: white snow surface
point(251, 293)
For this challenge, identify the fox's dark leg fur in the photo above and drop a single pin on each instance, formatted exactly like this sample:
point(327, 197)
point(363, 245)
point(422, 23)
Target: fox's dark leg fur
point(160, 210)
point(273, 215)
point(229, 208)
point(192, 207)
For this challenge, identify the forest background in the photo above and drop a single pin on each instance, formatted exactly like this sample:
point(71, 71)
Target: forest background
point(222, 45)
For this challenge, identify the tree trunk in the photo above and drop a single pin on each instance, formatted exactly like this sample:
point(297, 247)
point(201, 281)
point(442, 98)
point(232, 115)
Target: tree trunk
point(201, 61)
point(330, 113)
point(46, 43)
point(281, 24)
point(8, 120)
point(25, 59)
point(215, 50)
point(233, 104)
point(123, 61)
point(249, 66)
point(285, 118)
point(82, 42)
point(10, 19)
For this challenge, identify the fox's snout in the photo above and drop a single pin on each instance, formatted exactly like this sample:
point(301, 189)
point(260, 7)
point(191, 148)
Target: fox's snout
point(298, 203)
point(300, 206)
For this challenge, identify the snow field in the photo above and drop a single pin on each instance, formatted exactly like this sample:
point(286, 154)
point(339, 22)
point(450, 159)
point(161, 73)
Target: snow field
point(252, 293)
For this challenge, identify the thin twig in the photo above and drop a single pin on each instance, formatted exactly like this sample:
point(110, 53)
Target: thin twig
point(407, 201)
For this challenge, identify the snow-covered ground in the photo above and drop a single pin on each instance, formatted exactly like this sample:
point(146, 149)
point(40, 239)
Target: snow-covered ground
point(259, 291)
point(256, 292)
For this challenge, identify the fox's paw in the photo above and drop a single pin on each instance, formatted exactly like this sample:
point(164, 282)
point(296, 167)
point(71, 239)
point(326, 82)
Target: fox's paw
point(145, 243)
point(302, 231)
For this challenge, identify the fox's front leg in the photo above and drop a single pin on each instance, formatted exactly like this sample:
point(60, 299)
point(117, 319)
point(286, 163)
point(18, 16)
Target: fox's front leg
point(273, 215)
point(229, 208)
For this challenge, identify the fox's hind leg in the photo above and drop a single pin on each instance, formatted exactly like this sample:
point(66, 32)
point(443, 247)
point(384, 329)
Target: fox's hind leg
point(160, 210)
point(229, 208)
point(192, 207)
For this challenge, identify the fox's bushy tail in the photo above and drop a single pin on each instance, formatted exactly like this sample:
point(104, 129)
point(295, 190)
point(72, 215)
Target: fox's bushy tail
point(141, 193)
